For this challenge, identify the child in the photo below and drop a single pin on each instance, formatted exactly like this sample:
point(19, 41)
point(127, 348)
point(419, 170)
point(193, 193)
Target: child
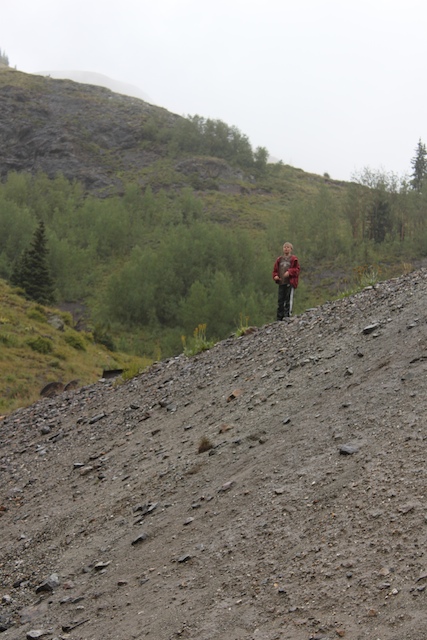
point(285, 273)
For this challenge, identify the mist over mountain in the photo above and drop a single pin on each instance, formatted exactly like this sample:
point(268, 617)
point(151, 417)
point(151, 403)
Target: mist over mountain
point(97, 79)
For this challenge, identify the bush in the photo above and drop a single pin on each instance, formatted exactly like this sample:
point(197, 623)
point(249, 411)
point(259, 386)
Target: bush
point(40, 344)
point(204, 445)
point(101, 336)
point(75, 340)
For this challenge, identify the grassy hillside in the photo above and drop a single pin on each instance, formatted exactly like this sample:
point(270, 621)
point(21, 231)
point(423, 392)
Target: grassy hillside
point(33, 352)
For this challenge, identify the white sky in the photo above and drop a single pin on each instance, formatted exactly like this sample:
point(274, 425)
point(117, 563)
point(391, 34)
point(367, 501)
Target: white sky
point(326, 85)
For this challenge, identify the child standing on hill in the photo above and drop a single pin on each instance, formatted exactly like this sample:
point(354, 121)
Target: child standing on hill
point(285, 273)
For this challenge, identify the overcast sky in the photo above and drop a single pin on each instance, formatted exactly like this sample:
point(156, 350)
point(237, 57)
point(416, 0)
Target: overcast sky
point(326, 85)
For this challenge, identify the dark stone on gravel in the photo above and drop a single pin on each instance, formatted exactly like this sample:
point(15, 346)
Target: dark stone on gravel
point(184, 558)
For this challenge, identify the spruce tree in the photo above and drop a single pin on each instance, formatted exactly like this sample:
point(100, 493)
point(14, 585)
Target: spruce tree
point(31, 271)
point(4, 60)
point(419, 165)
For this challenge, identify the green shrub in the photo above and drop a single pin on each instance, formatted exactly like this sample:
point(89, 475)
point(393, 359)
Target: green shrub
point(40, 344)
point(75, 340)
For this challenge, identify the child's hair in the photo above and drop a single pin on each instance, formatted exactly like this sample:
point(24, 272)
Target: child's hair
point(289, 244)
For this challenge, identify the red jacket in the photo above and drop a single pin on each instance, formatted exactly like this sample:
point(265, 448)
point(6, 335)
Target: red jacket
point(294, 270)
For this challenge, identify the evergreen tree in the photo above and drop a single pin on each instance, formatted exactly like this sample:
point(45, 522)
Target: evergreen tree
point(4, 60)
point(31, 271)
point(419, 165)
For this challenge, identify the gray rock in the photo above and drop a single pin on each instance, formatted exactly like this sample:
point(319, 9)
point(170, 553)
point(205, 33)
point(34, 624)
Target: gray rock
point(370, 328)
point(348, 449)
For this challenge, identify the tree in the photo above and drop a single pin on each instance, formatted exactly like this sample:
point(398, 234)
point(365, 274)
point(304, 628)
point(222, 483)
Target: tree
point(379, 205)
point(4, 60)
point(379, 218)
point(419, 165)
point(31, 272)
point(261, 159)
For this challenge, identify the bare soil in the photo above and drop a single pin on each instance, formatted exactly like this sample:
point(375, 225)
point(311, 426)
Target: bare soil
point(304, 518)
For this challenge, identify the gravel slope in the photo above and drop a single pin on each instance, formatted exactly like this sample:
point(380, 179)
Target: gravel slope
point(306, 518)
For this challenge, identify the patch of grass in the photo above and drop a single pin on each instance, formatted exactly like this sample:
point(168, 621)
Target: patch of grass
point(368, 276)
point(364, 276)
point(198, 343)
point(243, 326)
point(132, 371)
point(37, 313)
point(17, 390)
point(55, 364)
point(8, 340)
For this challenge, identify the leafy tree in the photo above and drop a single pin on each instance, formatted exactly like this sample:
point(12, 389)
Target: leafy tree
point(16, 228)
point(130, 294)
point(32, 273)
point(261, 159)
point(379, 204)
point(419, 166)
point(380, 221)
point(354, 210)
point(221, 305)
point(216, 138)
point(192, 310)
point(191, 207)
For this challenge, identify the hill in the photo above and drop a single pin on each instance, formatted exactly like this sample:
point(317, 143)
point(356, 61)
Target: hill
point(270, 488)
point(86, 132)
point(106, 140)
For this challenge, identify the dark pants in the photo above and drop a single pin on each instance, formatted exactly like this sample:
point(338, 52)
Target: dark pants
point(285, 300)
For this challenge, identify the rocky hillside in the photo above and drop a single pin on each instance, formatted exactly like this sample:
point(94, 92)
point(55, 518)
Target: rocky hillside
point(271, 488)
point(86, 132)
